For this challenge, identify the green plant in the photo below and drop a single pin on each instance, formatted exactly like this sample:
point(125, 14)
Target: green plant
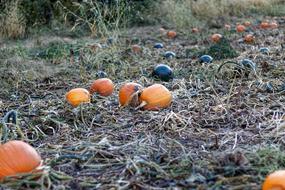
point(53, 50)
point(221, 50)
point(37, 12)
point(266, 160)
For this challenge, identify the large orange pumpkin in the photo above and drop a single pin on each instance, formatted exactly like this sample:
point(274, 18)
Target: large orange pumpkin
point(275, 181)
point(171, 34)
point(126, 93)
point(240, 28)
point(77, 96)
point(18, 157)
point(155, 97)
point(216, 37)
point(103, 86)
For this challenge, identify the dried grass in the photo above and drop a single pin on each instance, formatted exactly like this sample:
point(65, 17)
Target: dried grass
point(188, 13)
point(223, 130)
point(12, 21)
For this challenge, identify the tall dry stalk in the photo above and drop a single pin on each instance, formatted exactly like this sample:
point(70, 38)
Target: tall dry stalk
point(12, 21)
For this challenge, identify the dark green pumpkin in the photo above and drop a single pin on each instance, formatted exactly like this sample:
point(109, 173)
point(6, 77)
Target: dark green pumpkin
point(163, 72)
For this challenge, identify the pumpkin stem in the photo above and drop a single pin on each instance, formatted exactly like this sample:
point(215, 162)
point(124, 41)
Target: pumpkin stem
point(144, 103)
point(132, 101)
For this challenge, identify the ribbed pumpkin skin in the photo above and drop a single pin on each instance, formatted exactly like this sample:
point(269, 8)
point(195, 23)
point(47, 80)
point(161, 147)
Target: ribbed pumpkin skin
point(77, 96)
point(126, 91)
point(103, 86)
point(156, 96)
point(17, 157)
point(275, 180)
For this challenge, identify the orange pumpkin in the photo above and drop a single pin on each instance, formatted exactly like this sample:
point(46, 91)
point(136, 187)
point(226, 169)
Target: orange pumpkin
point(18, 157)
point(126, 93)
point(273, 25)
point(247, 23)
point(155, 97)
point(240, 28)
point(77, 96)
point(171, 34)
point(275, 181)
point(216, 37)
point(227, 27)
point(195, 30)
point(136, 48)
point(103, 86)
point(249, 38)
point(264, 25)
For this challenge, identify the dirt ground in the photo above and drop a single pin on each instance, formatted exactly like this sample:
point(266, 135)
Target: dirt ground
point(224, 129)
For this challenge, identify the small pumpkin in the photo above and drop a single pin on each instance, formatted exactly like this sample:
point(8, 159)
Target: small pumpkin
point(264, 50)
point(205, 59)
point(227, 27)
point(248, 63)
point(240, 28)
point(169, 54)
point(110, 41)
point(195, 30)
point(162, 31)
point(158, 45)
point(216, 37)
point(264, 25)
point(247, 23)
point(163, 72)
point(275, 181)
point(77, 96)
point(101, 74)
point(249, 38)
point(273, 25)
point(18, 157)
point(103, 87)
point(127, 93)
point(136, 48)
point(171, 34)
point(155, 97)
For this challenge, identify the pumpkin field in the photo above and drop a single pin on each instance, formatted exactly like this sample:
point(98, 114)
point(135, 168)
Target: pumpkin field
point(169, 103)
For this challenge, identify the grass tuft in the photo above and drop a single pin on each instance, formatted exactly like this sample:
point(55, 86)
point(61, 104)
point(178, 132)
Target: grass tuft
point(12, 21)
